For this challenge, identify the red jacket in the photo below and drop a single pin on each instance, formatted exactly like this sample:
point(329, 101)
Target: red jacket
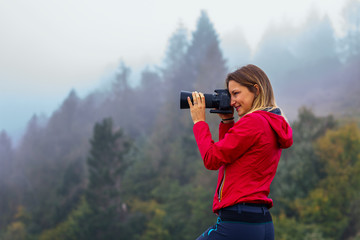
point(247, 155)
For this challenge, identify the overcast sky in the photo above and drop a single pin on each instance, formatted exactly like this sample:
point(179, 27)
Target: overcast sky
point(48, 47)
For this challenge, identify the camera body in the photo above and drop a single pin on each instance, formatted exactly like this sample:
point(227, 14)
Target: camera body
point(220, 101)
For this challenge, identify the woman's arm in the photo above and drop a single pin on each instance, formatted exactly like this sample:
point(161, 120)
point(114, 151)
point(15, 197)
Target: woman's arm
point(233, 144)
point(224, 128)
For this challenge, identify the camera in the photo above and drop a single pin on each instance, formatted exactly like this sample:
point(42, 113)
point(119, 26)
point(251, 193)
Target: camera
point(220, 100)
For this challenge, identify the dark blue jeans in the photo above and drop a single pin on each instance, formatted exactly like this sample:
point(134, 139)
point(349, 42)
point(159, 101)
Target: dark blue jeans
point(240, 222)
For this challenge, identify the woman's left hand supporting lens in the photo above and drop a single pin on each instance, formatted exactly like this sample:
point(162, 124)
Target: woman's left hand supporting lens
point(197, 110)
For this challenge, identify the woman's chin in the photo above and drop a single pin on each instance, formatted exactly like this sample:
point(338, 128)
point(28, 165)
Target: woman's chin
point(241, 113)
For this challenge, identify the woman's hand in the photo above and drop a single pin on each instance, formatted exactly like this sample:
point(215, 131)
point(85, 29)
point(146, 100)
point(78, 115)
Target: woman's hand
point(197, 110)
point(229, 116)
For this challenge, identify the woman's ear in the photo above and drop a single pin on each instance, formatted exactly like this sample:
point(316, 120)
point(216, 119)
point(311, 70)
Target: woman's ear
point(257, 90)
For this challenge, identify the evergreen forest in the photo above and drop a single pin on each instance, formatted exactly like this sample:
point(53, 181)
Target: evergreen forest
point(122, 162)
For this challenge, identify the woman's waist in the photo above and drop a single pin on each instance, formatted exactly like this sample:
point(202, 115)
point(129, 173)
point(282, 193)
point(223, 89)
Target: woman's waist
point(248, 206)
point(246, 212)
point(230, 202)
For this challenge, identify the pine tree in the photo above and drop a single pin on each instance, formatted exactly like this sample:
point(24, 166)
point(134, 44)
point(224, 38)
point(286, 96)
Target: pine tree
point(175, 76)
point(121, 83)
point(148, 97)
point(6, 168)
point(106, 164)
point(122, 102)
point(204, 55)
point(350, 44)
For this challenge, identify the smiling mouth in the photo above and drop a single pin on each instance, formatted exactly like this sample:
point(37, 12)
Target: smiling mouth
point(237, 108)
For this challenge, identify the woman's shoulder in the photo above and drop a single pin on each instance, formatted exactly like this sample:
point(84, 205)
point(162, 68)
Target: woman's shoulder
point(252, 118)
point(252, 122)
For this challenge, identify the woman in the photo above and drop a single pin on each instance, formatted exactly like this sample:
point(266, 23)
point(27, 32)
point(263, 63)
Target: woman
point(246, 155)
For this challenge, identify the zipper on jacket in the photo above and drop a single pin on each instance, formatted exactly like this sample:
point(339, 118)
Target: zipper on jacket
point(221, 186)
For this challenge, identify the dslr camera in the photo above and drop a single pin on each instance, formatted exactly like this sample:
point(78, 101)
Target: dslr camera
point(220, 101)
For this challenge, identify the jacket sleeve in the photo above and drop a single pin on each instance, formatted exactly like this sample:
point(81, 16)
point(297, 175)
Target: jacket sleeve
point(231, 147)
point(224, 128)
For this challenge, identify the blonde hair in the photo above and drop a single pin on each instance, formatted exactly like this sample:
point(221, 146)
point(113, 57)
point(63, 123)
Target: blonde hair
point(250, 75)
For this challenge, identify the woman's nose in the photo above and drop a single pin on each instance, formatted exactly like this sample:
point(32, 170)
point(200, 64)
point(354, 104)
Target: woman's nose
point(232, 102)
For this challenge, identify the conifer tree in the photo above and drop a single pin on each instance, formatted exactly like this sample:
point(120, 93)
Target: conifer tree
point(106, 164)
point(350, 44)
point(122, 101)
point(205, 57)
point(6, 167)
point(121, 83)
point(175, 76)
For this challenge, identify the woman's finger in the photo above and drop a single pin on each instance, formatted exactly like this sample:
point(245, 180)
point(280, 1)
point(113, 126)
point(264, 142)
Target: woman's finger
point(195, 100)
point(189, 102)
point(198, 100)
point(202, 97)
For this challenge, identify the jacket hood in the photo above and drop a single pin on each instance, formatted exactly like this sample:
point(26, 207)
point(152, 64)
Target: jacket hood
point(280, 126)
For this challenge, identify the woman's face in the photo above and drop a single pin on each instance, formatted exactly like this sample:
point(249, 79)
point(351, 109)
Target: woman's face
point(241, 98)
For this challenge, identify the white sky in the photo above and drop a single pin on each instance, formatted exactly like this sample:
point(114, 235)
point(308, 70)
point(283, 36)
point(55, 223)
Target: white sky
point(48, 47)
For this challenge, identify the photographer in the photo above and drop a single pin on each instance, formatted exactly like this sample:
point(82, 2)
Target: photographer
point(246, 155)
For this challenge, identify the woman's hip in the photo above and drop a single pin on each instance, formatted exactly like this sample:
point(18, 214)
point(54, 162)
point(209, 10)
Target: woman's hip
point(241, 222)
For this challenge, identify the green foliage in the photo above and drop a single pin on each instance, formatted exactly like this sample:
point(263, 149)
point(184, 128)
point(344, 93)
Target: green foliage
point(334, 202)
point(329, 210)
point(292, 229)
point(75, 227)
point(300, 169)
point(15, 231)
point(155, 219)
point(106, 164)
point(6, 187)
point(317, 190)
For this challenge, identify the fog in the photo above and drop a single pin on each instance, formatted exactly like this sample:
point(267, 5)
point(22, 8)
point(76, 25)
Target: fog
point(47, 49)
